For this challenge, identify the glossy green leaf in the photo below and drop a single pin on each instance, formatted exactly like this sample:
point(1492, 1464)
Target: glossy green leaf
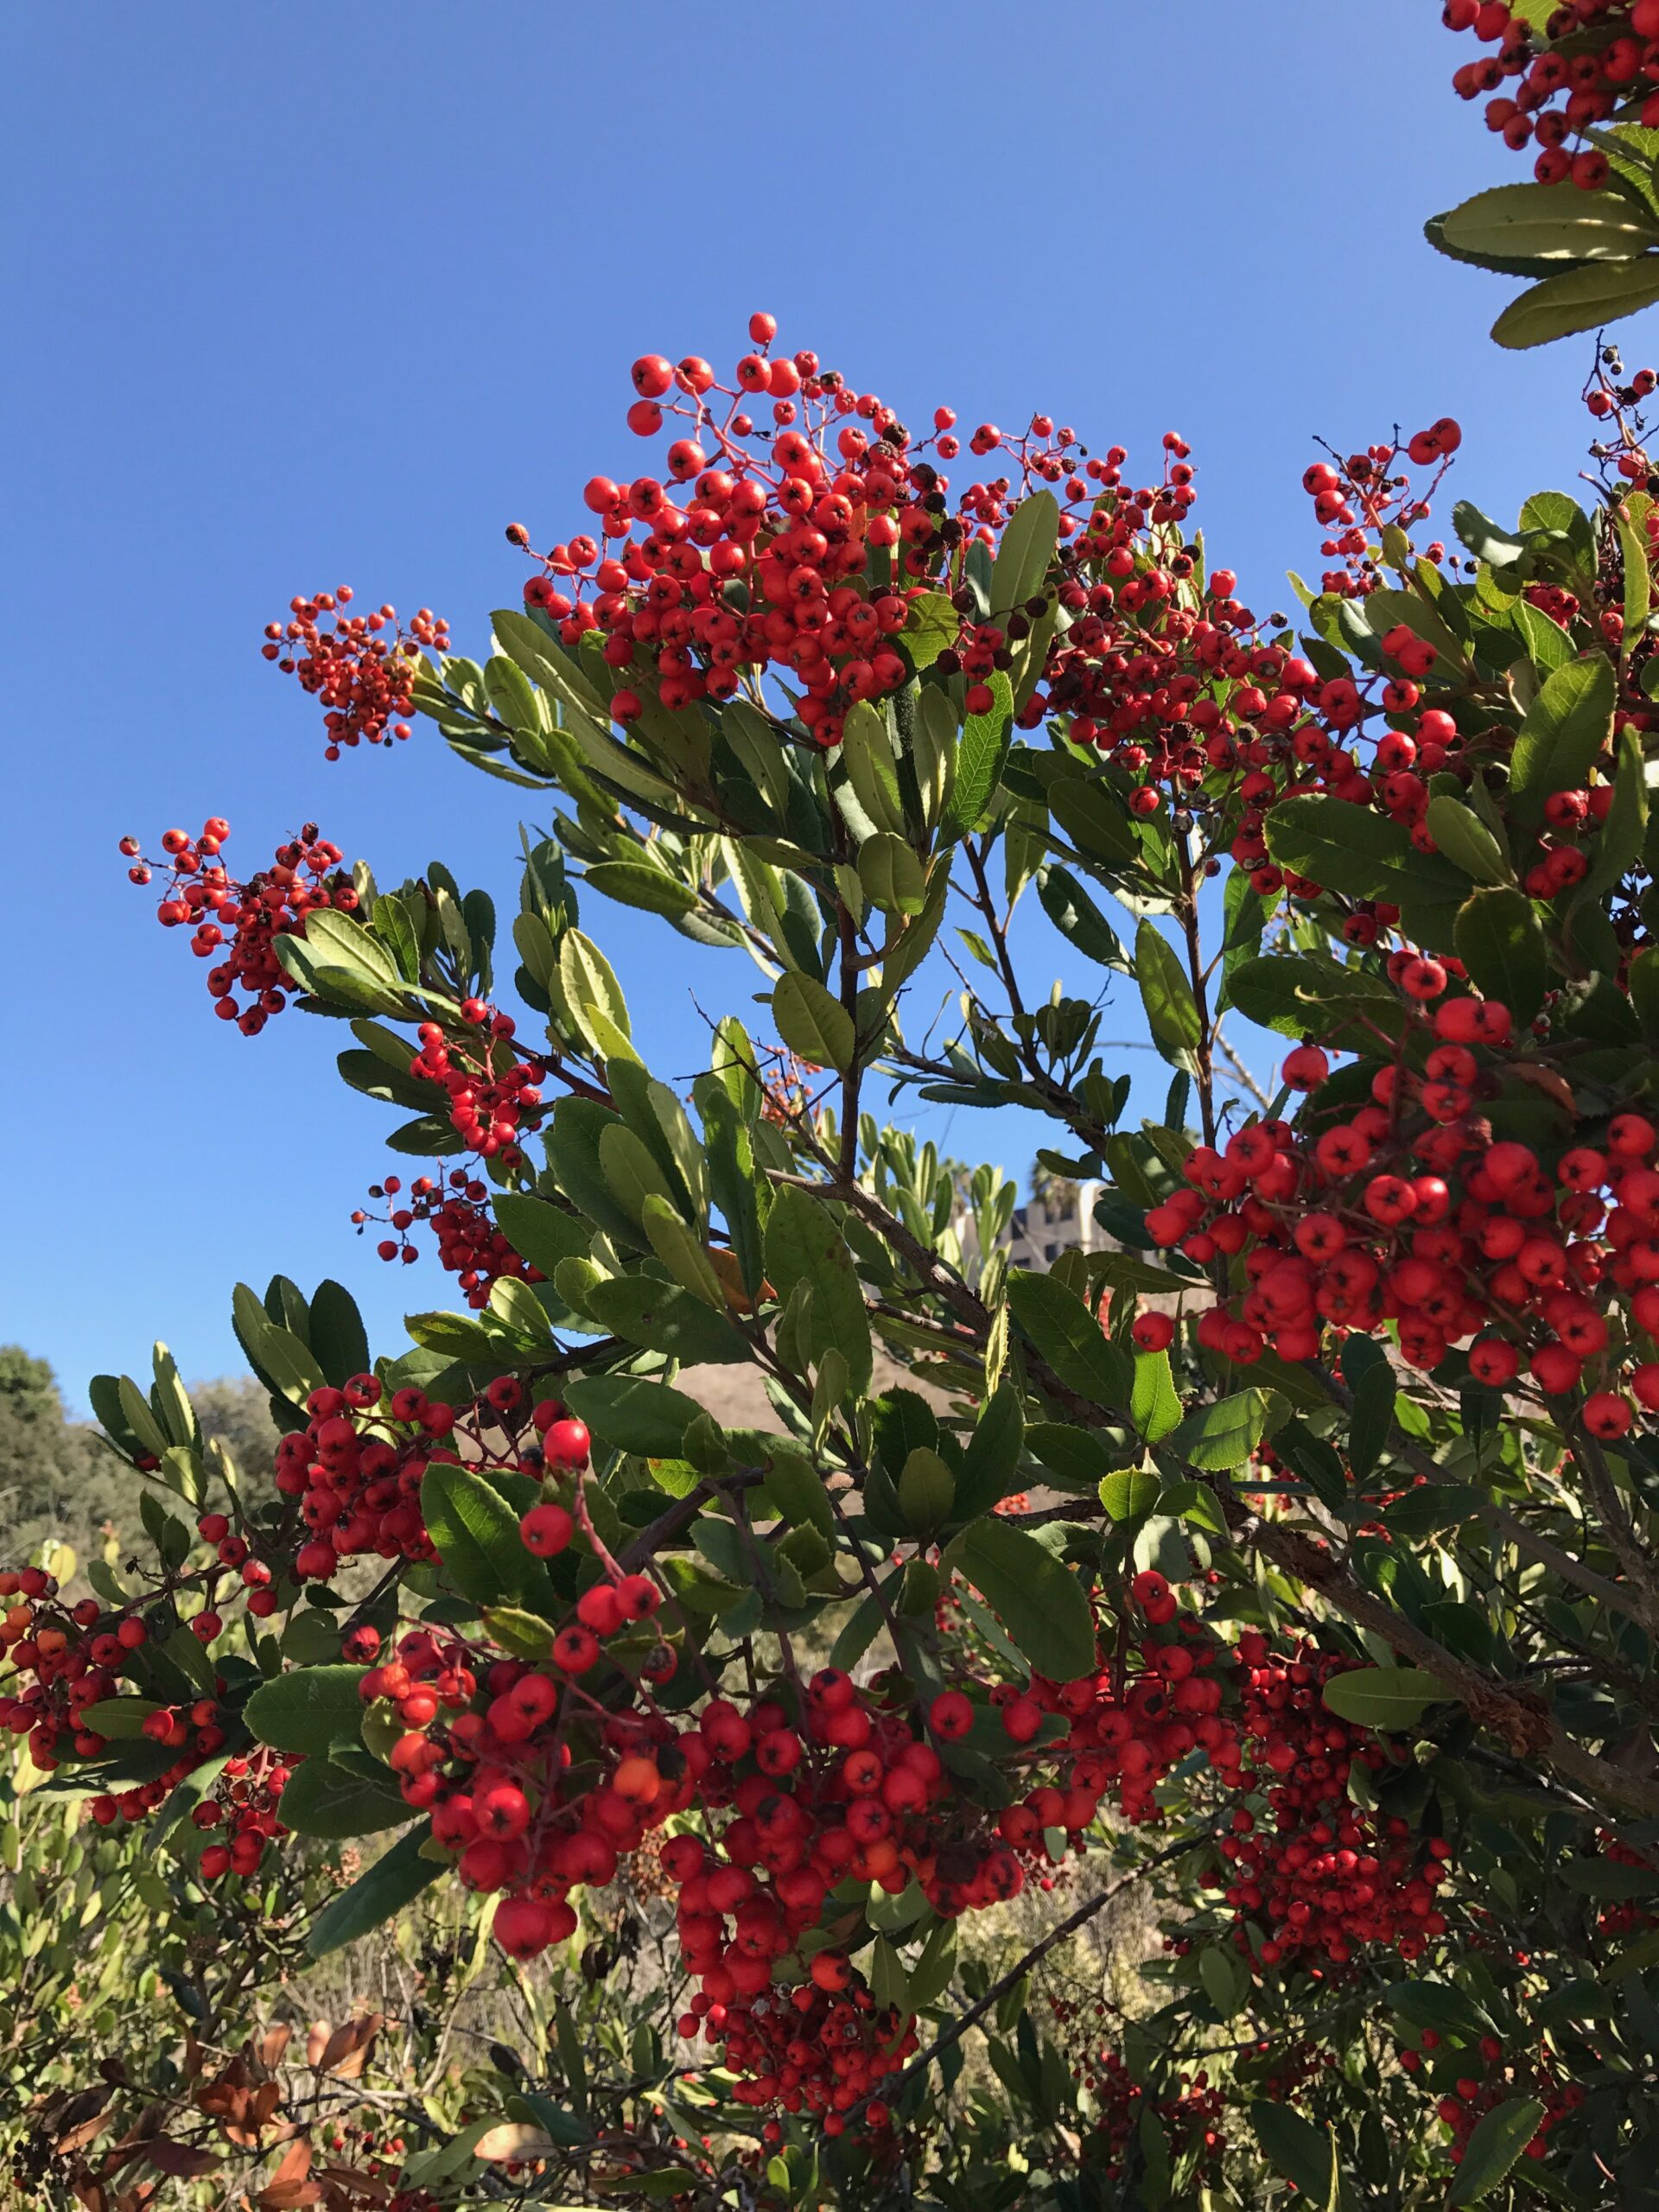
point(476, 1533)
point(1500, 2136)
point(1037, 1598)
point(1383, 1697)
point(1565, 729)
point(349, 1793)
point(1069, 1338)
point(1500, 943)
point(1579, 299)
point(1166, 996)
point(309, 1710)
point(631, 1415)
point(379, 1893)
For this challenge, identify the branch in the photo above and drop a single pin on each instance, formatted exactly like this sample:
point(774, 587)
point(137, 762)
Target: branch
point(1056, 1935)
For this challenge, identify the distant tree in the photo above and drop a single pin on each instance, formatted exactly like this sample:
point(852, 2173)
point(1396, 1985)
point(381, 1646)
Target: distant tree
point(236, 1410)
point(58, 1479)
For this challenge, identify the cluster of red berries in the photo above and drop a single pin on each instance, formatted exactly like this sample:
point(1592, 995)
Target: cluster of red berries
point(244, 920)
point(788, 554)
point(489, 1091)
point(1190, 2111)
point(361, 666)
point(1590, 61)
point(1329, 1878)
point(69, 1658)
point(470, 1245)
point(1467, 2095)
point(1357, 496)
point(356, 1468)
point(1408, 1210)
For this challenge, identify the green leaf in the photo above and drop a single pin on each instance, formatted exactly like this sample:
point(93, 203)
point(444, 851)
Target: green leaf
point(1077, 918)
point(1501, 941)
point(1466, 840)
point(1549, 222)
point(931, 625)
point(309, 1710)
point(1564, 730)
point(350, 1794)
point(665, 1319)
point(1578, 299)
point(1128, 1492)
point(1020, 569)
point(1154, 1404)
point(1499, 2138)
point(1608, 1879)
point(1383, 1697)
point(587, 979)
point(1039, 1600)
point(894, 878)
point(1096, 820)
point(1299, 994)
point(812, 1023)
point(1226, 1978)
point(803, 1244)
point(475, 1532)
point(1295, 2148)
point(990, 1465)
point(541, 1233)
point(633, 1414)
point(526, 1635)
point(1170, 1010)
point(980, 757)
point(927, 1490)
point(682, 1252)
point(1372, 1418)
point(1069, 1338)
point(1349, 849)
point(1222, 1436)
point(635, 883)
point(1624, 832)
point(380, 1891)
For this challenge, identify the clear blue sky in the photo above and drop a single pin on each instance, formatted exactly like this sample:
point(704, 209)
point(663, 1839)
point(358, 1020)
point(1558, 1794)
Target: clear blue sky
point(297, 299)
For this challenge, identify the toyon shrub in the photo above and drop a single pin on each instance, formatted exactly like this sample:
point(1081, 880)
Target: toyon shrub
point(1285, 1558)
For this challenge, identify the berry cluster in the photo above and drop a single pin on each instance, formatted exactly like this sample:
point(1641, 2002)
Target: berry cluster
point(1591, 61)
point(790, 556)
point(1466, 2094)
point(244, 920)
point(470, 1246)
point(488, 1090)
point(1409, 1211)
point(1329, 1879)
point(361, 666)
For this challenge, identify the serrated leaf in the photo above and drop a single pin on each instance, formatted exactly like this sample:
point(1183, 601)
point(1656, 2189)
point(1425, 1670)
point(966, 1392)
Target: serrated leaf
point(1039, 1600)
point(1499, 2138)
point(1385, 1697)
point(1579, 299)
point(1501, 941)
point(633, 1414)
point(1069, 1338)
point(1565, 729)
point(813, 1023)
point(308, 1710)
point(475, 1532)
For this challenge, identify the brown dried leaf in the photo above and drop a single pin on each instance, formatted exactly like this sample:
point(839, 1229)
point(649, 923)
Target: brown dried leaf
point(346, 2050)
point(183, 2161)
point(317, 2041)
point(1553, 1084)
point(274, 2042)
